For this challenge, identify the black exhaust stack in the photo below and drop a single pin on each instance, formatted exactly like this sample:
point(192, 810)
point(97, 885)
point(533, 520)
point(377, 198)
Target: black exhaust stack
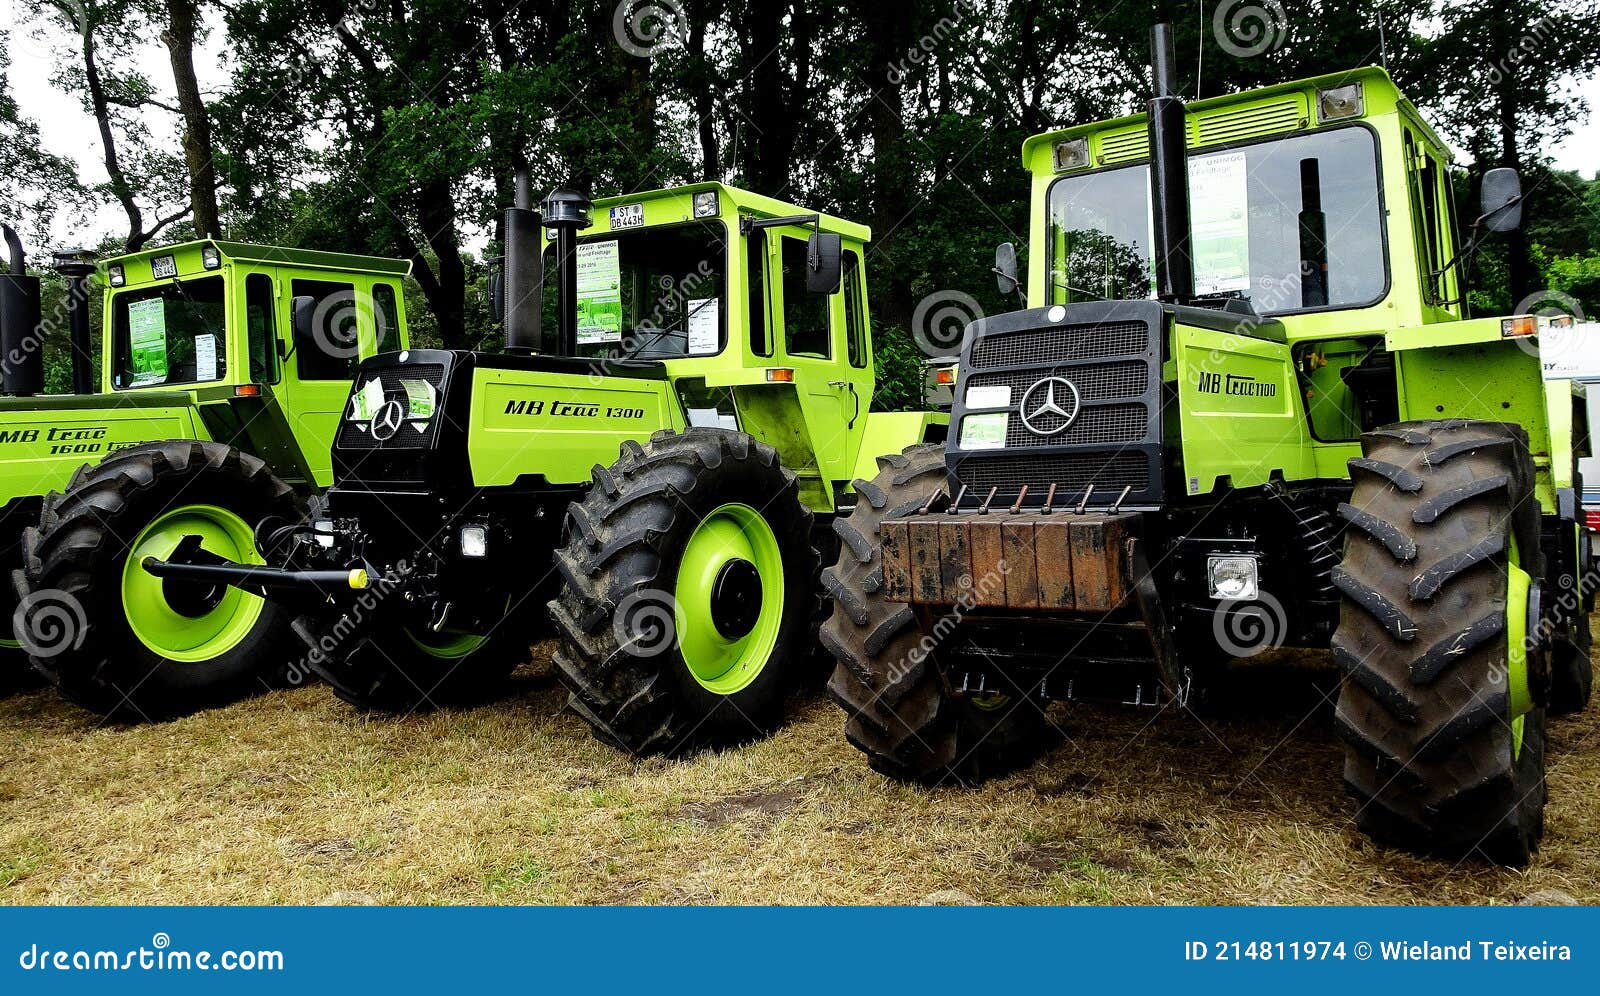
point(524, 271)
point(1169, 175)
point(21, 340)
point(77, 265)
point(568, 212)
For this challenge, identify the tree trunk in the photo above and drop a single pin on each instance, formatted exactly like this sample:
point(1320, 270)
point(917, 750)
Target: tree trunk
point(198, 152)
point(108, 140)
point(890, 32)
point(436, 211)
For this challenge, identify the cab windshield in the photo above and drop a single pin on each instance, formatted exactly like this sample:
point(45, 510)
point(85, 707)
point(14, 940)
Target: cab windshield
point(172, 334)
point(654, 293)
point(1290, 225)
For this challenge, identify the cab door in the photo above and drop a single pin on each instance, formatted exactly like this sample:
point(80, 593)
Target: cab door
point(809, 335)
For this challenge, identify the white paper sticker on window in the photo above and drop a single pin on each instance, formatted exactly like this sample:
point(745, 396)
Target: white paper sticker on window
point(1219, 195)
point(599, 293)
point(205, 357)
point(989, 396)
point(703, 326)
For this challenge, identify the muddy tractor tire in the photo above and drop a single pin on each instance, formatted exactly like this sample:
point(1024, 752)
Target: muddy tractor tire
point(130, 646)
point(688, 595)
point(899, 709)
point(1442, 704)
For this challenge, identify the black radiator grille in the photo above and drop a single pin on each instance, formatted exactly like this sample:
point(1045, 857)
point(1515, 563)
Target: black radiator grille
point(1099, 426)
point(1066, 342)
point(1095, 382)
point(1072, 473)
point(357, 435)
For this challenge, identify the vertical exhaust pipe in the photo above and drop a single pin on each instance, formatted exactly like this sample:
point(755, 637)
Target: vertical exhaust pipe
point(77, 265)
point(524, 271)
point(568, 212)
point(1169, 174)
point(21, 340)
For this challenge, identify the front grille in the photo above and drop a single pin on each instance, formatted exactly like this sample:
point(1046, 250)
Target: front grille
point(1104, 425)
point(1095, 382)
point(1072, 473)
point(1065, 342)
point(413, 433)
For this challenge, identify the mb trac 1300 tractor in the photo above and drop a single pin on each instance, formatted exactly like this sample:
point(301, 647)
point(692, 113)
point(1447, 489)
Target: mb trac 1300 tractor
point(224, 371)
point(1293, 434)
point(653, 463)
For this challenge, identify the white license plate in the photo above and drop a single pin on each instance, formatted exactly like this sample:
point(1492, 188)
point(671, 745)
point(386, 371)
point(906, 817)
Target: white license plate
point(627, 216)
point(163, 266)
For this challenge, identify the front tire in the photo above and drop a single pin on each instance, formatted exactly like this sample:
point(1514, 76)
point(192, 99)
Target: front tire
point(127, 645)
point(1441, 709)
point(688, 595)
point(899, 710)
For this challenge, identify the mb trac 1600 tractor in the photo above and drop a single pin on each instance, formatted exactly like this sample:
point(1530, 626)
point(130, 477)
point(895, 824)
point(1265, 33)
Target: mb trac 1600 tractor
point(653, 462)
point(1294, 427)
point(224, 371)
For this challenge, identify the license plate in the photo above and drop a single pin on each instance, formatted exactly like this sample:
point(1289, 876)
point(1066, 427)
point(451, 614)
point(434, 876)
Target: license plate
point(627, 216)
point(163, 266)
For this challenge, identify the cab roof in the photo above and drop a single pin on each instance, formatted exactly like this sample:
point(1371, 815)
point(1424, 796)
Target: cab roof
point(747, 202)
point(244, 252)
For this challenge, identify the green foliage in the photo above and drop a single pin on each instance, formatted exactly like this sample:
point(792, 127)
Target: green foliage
point(900, 370)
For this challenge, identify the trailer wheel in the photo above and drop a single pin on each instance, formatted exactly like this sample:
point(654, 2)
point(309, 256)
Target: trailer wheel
point(899, 710)
point(689, 593)
point(1442, 705)
point(130, 646)
point(402, 667)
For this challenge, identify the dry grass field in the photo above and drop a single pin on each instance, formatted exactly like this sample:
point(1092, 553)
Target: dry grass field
point(295, 798)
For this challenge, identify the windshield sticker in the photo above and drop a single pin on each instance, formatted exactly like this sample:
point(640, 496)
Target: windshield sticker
point(599, 293)
point(1219, 195)
point(419, 398)
point(704, 328)
point(147, 340)
point(205, 357)
point(985, 432)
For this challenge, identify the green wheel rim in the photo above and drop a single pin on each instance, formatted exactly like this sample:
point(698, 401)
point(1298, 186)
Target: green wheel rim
point(1519, 695)
point(167, 632)
point(730, 533)
point(450, 644)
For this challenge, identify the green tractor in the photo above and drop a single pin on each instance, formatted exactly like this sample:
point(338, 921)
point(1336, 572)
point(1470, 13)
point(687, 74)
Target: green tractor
point(224, 373)
point(656, 459)
point(1292, 435)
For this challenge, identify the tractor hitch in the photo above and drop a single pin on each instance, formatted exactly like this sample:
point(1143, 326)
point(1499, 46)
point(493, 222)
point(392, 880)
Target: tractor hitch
point(254, 578)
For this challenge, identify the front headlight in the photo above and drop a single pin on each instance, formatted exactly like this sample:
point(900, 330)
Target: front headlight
point(1233, 579)
point(474, 541)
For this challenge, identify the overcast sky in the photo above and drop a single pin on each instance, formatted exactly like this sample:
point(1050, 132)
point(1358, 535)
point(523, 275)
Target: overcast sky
point(67, 130)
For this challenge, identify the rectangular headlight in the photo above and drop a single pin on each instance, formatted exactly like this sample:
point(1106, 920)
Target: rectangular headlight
point(705, 204)
point(211, 258)
point(118, 277)
point(1073, 154)
point(1341, 102)
point(1233, 579)
point(474, 541)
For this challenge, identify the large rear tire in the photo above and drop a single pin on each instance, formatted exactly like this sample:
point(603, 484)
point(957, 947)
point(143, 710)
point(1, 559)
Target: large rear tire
point(689, 593)
point(1442, 707)
point(899, 709)
point(127, 645)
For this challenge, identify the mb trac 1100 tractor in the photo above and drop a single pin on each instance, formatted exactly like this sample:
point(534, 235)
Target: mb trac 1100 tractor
point(215, 412)
point(1292, 435)
point(653, 463)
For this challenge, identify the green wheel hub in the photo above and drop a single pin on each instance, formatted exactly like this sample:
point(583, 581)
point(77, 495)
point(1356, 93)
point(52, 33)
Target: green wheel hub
point(728, 598)
point(190, 624)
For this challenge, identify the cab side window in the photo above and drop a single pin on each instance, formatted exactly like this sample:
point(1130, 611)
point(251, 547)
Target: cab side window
point(332, 350)
point(386, 312)
point(855, 315)
point(805, 315)
point(261, 336)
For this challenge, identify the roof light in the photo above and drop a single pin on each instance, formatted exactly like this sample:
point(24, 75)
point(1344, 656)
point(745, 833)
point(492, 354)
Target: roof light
point(705, 204)
point(116, 274)
point(1073, 154)
point(1518, 326)
point(211, 257)
point(780, 375)
point(1341, 102)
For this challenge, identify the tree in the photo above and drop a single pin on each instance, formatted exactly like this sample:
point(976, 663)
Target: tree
point(34, 185)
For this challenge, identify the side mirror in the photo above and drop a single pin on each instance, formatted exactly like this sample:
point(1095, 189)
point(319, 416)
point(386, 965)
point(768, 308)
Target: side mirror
point(824, 263)
point(1501, 198)
point(1005, 268)
point(497, 294)
point(302, 318)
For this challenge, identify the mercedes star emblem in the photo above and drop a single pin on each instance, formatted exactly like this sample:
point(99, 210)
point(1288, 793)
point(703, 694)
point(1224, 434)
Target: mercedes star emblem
point(1054, 396)
point(387, 421)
